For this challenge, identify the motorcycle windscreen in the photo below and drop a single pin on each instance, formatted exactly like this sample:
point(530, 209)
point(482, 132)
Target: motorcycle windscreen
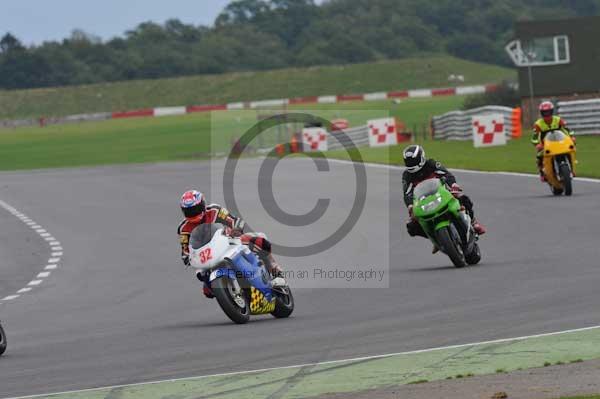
point(203, 234)
point(555, 135)
point(426, 188)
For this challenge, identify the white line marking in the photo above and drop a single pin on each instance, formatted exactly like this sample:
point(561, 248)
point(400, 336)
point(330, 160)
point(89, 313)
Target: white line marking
point(50, 267)
point(55, 243)
point(43, 275)
point(10, 297)
point(35, 282)
point(53, 260)
point(477, 172)
point(351, 360)
point(49, 238)
point(24, 290)
point(56, 254)
point(56, 248)
point(36, 226)
point(40, 231)
point(46, 235)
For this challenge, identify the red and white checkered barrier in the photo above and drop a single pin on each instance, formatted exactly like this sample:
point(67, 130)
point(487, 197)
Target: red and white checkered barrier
point(314, 139)
point(382, 132)
point(489, 130)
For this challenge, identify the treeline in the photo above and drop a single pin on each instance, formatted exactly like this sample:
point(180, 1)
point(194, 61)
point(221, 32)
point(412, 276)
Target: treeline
point(262, 34)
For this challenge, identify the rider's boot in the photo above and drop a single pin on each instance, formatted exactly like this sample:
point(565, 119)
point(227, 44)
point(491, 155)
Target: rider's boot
point(206, 290)
point(277, 273)
point(478, 227)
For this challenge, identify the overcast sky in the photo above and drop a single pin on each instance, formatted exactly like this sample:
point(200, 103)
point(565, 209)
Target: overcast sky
point(34, 21)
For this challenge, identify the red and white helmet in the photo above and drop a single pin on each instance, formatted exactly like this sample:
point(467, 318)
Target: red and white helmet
point(547, 109)
point(193, 206)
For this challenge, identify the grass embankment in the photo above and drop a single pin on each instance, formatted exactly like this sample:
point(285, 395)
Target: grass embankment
point(517, 156)
point(195, 136)
point(412, 73)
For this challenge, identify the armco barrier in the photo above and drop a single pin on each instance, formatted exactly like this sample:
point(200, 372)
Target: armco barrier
point(457, 125)
point(582, 116)
point(359, 136)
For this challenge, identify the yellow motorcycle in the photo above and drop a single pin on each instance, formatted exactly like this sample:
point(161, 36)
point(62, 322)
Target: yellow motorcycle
point(559, 160)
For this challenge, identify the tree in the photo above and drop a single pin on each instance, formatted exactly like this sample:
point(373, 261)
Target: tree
point(9, 43)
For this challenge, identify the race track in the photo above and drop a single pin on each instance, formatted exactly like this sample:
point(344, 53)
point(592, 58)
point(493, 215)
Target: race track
point(121, 308)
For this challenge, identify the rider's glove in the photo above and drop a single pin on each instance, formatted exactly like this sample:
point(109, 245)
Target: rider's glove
point(456, 190)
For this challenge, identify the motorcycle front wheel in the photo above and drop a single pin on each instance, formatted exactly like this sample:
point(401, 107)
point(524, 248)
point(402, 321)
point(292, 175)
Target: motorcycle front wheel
point(2, 340)
point(565, 175)
point(235, 306)
point(450, 247)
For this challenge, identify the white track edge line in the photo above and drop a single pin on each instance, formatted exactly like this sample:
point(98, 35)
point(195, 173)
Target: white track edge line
point(351, 360)
point(52, 242)
point(477, 172)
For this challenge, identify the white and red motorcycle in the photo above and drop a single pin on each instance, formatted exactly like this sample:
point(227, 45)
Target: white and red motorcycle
point(237, 276)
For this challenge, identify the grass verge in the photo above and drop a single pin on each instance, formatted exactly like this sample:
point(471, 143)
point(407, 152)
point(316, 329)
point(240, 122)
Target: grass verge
point(194, 136)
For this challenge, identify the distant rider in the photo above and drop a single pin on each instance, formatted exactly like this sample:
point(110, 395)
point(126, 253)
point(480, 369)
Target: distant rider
point(418, 169)
point(196, 212)
point(547, 123)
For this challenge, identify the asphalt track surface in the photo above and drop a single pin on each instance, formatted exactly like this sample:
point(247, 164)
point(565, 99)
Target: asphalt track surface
point(121, 308)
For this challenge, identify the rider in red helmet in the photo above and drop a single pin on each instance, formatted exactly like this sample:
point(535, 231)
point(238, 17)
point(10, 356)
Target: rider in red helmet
point(196, 212)
point(547, 123)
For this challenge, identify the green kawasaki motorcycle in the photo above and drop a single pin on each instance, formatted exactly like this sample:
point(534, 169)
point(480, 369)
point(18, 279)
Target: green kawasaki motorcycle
point(446, 225)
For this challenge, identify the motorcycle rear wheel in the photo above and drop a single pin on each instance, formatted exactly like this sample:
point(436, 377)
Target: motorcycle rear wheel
point(222, 290)
point(450, 247)
point(2, 340)
point(475, 256)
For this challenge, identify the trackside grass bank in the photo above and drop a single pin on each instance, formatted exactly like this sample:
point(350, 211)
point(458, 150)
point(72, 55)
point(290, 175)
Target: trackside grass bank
point(413, 73)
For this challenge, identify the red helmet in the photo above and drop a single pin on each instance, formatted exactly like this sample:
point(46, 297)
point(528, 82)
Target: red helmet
point(547, 109)
point(193, 206)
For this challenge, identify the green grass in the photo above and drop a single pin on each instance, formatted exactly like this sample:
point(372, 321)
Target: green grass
point(412, 73)
point(195, 136)
point(517, 156)
point(583, 397)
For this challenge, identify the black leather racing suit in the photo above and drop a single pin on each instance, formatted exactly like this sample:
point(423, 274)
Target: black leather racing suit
point(431, 169)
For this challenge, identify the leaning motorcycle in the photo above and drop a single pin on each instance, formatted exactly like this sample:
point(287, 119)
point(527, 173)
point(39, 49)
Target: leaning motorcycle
point(2, 340)
point(236, 275)
point(446, 223)
point(559, 160)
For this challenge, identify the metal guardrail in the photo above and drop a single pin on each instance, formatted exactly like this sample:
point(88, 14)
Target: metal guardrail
point(456, 125)
point(582, 116)
point(359, 136)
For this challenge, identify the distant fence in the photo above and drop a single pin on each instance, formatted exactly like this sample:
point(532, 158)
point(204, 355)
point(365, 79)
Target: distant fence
point(582, 116)
point(457, 125)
